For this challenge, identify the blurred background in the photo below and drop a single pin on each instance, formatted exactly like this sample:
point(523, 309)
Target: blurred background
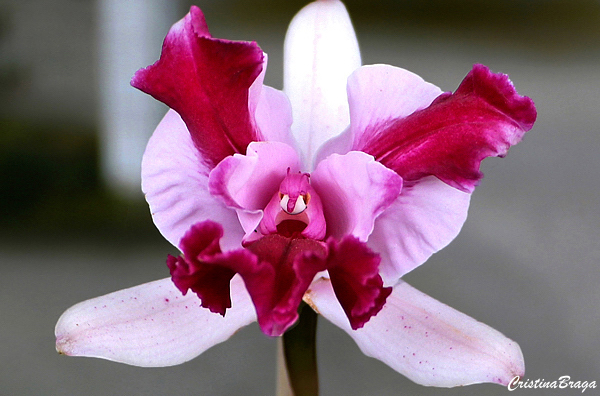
point(74, 225)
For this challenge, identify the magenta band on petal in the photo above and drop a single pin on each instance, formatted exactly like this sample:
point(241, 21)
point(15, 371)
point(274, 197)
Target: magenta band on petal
point(354, 272)
point(450, 138)
point(207, 82)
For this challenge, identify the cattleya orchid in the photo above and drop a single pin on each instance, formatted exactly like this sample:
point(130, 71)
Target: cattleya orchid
point(328, 193)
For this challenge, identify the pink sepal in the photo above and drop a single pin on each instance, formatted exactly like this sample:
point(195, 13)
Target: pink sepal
point(320, 52)
point(425, 340)
point(150, 325)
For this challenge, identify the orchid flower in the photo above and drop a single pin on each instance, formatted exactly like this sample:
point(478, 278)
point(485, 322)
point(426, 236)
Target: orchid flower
point(328, 193)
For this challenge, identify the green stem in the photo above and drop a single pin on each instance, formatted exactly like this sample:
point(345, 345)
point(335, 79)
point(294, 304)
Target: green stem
point(299, 347)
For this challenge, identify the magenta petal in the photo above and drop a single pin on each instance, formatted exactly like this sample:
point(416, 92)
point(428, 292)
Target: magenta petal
point(449, 139)
point(200, 268)
point(277, 282)
point(354, 272)
point(207, 82)
point(354, 190)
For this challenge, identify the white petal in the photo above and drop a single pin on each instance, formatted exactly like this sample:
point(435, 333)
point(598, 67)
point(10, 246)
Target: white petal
point(151, 325)
point(427, 341)
point(320, 53)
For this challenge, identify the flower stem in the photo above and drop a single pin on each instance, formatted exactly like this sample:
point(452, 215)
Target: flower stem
point(299, 350)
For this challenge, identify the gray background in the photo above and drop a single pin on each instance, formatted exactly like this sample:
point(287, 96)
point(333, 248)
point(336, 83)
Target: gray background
point(526, 262)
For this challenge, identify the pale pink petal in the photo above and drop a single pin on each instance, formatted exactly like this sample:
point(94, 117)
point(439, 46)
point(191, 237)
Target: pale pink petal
point(247, 183)
point(150, 325)
point(425, 340)
point(425, 218)
point(320, 53)
point(175, 181)
point(354, 190)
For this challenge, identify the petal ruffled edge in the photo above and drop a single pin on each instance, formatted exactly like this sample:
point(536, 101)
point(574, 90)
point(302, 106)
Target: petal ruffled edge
point(151, 325)
point(425, 340)
point(204, 268)
point(354, 272)
point(278, 279)
point(450, 138)
point(207, 81)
